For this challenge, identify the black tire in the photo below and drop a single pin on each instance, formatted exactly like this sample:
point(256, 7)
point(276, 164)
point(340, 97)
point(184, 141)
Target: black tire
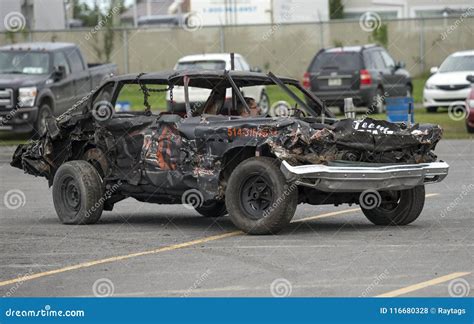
point(213, 208)
point(265, 101)
point(432, 109)
point(377, 105)
point(258, 198)
point(39, 126)
point(403, 209)
point(469, 128)
point(78, 193)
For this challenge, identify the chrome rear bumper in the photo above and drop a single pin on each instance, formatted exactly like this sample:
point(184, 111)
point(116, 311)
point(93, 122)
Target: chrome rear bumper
point(353, 178)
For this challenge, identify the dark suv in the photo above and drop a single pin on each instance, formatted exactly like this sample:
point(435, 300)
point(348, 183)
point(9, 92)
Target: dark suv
point(366, 73)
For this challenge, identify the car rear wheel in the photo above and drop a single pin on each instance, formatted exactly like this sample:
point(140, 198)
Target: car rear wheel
point(212, 208)
point(258, 198)
point(40, 125)
point(470, 129)
point(432, 109)
point(397, 207)
point(78, 193)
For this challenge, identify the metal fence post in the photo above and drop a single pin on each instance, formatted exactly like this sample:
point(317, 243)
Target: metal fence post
point(125, 50)
point(222, 38)
point(422, 45)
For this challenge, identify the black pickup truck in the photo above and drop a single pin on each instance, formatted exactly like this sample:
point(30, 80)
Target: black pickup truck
point(42, 79)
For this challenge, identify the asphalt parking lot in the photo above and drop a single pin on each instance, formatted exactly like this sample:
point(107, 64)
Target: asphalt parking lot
point(160, 250)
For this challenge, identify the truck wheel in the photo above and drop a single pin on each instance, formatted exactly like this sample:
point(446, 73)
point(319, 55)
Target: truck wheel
point(213, 208)
point(397, 207)
point(78, 193)
point(40, 123)
point(258, 198)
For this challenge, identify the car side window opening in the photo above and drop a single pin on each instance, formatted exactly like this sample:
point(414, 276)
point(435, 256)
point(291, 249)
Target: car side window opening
point(377, 60)
point(132, 97)
point(75, 61)
point(389, 62)
point(59, 59)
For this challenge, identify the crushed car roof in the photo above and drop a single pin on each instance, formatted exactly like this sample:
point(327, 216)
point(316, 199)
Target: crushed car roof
point(203, 78)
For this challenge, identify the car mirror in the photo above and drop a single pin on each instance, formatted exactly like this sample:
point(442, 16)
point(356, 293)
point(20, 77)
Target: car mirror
point(470, 78)
point(434, 69)
point(59, 72)
point(400, 65)
point(256, 69)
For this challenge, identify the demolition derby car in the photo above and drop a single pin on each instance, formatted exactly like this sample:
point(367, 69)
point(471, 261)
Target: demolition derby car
point(227, 156)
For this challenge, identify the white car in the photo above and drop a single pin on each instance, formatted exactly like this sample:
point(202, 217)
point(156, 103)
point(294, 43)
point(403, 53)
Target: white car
point(219, 61)
point(448, 85)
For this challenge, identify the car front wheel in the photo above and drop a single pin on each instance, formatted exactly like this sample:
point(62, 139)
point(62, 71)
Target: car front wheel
point(78, 193)
point(212, 208)
point(258, 198)
point(394, 207)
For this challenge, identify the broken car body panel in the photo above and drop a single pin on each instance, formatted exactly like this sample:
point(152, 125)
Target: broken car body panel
point(158, 157)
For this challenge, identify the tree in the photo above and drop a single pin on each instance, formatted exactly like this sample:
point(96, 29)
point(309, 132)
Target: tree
point(380, 35)
point(336, 9)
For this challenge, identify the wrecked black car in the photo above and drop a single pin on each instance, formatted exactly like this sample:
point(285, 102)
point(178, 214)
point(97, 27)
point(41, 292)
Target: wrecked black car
point(225, 156)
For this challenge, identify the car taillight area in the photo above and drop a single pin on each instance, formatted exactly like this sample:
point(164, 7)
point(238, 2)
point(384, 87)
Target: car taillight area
point(306, 80)
point(365, 77)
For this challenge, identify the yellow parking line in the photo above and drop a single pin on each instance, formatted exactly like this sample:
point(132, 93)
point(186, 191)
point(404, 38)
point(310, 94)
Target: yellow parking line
point(119, 258)
point(431, 195)
point(424, 284)
point(155, 251)
point(345, 211)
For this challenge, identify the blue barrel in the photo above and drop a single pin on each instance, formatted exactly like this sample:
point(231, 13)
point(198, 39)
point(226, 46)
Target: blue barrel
point(398, 109)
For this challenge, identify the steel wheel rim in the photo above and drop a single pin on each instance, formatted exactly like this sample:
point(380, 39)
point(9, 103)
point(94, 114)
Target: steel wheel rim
point(256, 196)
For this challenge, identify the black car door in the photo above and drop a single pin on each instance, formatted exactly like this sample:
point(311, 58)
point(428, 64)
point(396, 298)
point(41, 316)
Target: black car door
point(62, 87)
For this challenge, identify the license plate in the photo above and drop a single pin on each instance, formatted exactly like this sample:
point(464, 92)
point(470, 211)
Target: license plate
point(334, 82)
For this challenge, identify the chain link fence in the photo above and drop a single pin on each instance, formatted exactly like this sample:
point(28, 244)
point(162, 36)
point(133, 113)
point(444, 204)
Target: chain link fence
point(286, 49)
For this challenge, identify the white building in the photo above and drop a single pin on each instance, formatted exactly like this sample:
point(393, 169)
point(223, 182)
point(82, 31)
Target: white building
point(249, 12)
point(406, 8)
point(33, 14)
